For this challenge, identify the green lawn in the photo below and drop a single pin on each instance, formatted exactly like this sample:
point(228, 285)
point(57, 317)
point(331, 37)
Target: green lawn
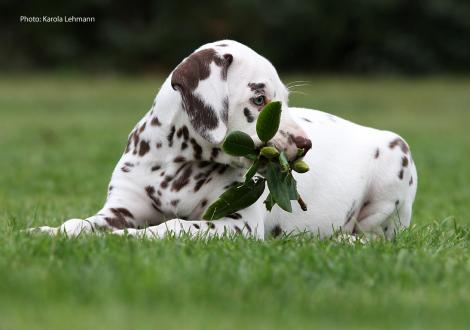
point(60, 137)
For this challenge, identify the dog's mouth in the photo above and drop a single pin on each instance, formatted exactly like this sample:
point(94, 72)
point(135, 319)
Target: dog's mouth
point(294, 146)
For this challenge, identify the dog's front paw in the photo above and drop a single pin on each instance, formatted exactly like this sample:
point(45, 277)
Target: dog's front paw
point(70, 228)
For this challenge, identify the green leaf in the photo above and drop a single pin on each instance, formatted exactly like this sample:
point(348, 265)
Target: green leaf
point(238, 143)
point(235, 199)
point(269, 202)
point(278, 186)
point(268, 121)
point(252, 170)
point(292, 187)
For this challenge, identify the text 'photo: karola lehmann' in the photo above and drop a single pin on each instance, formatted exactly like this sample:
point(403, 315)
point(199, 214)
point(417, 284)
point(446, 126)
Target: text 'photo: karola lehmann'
point(57, 19)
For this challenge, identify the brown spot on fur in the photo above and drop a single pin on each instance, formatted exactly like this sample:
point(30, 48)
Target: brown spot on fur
point(235, 216)
point(196, 225)
point(210, 225)
point(155, 122)
point(125, 169)
point(119, 223)
point(411, 181)
point(194, 69)
point(179, 159)
point(179, 133)
point(223, 169)
point(399, 142)
point(307, 120)
point(213, 168)
point(199, 185)
point(248, 115)
point(204, 203)
point(377, 153)
point(144, 148)
point(142, 128)
point(150, 190)
point(197, 149)
point(182, 180)
point(276, 231)
point(238, 230)
point(175, 202)
point(181, 168)
point(184, 145)
point(400, 174)
point(119, 219)
point(156, 168)
point(185, 79)
point(171, 135)
point(155, 201)
point(125, 212)
point(222, 45)
point(134, 138)
point(256, 87)
point(158, 145)
point(185, 133)
point(404, 161)
point(225, 106)
point(214, 153)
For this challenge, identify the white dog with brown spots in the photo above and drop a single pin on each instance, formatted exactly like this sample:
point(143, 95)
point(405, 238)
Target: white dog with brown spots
point(362, 180)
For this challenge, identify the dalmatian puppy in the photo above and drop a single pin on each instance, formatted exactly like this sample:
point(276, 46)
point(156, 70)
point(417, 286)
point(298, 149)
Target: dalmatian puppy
point(362, 180)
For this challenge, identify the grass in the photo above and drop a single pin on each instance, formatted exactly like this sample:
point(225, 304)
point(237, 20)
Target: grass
point(60, 137)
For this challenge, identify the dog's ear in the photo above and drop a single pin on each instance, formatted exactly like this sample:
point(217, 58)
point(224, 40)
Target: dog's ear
point(201, 80)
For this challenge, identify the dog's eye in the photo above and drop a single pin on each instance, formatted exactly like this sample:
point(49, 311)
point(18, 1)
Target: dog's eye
point(259, 100)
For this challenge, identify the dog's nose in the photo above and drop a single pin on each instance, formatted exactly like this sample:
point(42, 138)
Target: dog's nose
point(303, 143)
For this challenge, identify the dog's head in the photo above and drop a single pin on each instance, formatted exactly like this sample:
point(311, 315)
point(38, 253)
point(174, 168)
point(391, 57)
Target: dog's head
point(224, 85)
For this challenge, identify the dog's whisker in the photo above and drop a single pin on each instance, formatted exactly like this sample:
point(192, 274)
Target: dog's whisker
point(297, 81)
point(298, 92)
point(299, 85)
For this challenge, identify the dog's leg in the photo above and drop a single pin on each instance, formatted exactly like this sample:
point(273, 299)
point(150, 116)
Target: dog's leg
point(248, 222)
point(114, 215)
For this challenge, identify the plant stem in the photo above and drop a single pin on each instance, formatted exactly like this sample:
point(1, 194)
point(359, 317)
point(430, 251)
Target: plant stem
point(302, 204)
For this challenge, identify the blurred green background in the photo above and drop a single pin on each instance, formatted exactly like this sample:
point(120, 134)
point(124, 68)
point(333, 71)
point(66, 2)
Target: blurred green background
point(419, 36)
